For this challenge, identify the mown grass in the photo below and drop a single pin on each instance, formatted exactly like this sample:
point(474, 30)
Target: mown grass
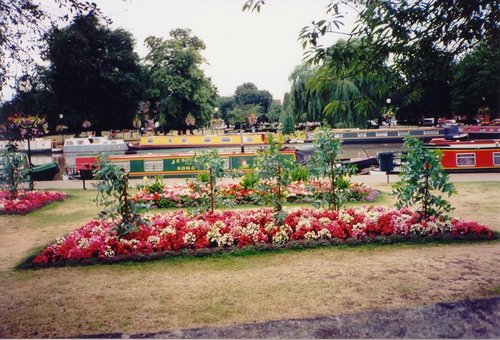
point(245, 286)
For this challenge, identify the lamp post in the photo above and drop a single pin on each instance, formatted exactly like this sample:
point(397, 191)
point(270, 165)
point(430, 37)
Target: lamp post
point(61, 116)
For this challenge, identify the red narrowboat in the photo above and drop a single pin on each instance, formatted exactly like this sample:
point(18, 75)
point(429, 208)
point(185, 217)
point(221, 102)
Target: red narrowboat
point(468, 156)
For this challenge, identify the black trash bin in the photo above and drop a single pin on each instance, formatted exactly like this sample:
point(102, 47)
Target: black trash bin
point(386, 161)
point(86, 174)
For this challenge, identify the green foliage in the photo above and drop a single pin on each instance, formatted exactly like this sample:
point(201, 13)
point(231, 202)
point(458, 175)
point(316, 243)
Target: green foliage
point(274, 170)
point(112, 195)
point(94, 74)
point(475, 82)
point(287, 123)
point(156, 186)
point(11, 174)
point(177, 84)
point(324, 163)
point(249, 180)
point(213, 164)
point(421, 180)
point(300, 173)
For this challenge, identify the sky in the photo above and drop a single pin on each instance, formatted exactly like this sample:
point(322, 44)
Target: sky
point(261, 48)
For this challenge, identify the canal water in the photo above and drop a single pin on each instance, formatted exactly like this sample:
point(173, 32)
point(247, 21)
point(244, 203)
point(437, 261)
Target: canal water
point(348, 151)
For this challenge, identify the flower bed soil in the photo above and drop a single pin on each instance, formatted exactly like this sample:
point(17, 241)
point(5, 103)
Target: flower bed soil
point(176, 234)
point(28, 201)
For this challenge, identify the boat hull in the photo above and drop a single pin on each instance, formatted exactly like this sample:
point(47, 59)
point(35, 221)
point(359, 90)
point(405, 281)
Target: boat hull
point(171, 165)
point(44, 172)
point(469, 156)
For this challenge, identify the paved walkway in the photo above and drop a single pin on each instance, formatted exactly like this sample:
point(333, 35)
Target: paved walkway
point(374, 178)
point(463, 319)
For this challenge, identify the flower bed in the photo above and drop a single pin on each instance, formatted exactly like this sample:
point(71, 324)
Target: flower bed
point(28, 201)
point(185, 195)
point(174, 232)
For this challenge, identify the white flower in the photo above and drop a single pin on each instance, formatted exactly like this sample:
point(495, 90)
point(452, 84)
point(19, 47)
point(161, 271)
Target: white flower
point(109, 252)
point(167, 230)
point(154, 240)
point(324, 233)
point(83, 243)
point(280, 237)
point(189, 238)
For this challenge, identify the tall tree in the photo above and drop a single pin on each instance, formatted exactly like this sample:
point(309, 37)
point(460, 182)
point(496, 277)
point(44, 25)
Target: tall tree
point(94, 74)
point(249, 94)
point(22, 30)
point(177, 87)
point(476, 82)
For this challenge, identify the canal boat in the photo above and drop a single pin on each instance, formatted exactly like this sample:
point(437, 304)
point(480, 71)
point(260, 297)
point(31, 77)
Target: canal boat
point(93, 145)
point(468, 156)
point(37, 145)
point(169, 165)
point(388, 135)
point(481, 132)
point(199, 141)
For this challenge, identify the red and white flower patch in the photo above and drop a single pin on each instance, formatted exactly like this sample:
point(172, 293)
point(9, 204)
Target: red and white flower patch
point(176, 231)
point(28, 201)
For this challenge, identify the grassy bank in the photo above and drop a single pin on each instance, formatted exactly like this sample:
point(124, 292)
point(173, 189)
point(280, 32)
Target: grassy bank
point(194, 292)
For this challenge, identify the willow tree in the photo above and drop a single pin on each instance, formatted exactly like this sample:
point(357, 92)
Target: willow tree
point(354, 95)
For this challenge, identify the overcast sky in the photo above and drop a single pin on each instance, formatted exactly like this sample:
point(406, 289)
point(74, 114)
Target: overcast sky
point(261, 48)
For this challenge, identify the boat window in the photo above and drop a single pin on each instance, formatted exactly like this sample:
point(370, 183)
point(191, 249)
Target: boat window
point(362, 134)
point(170, 140)
point(184, 140)
point(466, 159)
point(150, 140)
point(381, 134)
point(496, 158)
point(207, 140)
point(431, 132)
point(249, 139)
point(68, 142)
point(225, 139)
point(403, 133)
point(153, 165)
point(123, 165)
point(337, 135)
point(79, 142)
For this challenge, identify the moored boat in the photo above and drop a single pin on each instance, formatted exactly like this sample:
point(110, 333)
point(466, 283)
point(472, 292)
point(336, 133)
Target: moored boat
point(170, 165)
point(481, 132)
point(43, 172)
point(37, 145)
point(93, 145)
point(199, 141)
point(468, 156)
point(389, 135)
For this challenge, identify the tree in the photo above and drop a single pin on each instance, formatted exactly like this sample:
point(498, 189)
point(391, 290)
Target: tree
point(324, 163)
point(422, 178)
point(275, 111)
point(238, 116)
point(23, 27)
point(287, 123)
point(94, 74)
point(475, 83)
point(249, 94)
point(408, 31)
point(176, 84)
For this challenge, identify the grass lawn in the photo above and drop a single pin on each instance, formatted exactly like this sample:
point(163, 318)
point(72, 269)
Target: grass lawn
point(222, 290)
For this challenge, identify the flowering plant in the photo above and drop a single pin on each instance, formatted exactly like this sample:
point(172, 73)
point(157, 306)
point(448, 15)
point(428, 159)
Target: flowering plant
point(176, 231)
point(187, 195)
point(20, 127)
point(28, 201)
